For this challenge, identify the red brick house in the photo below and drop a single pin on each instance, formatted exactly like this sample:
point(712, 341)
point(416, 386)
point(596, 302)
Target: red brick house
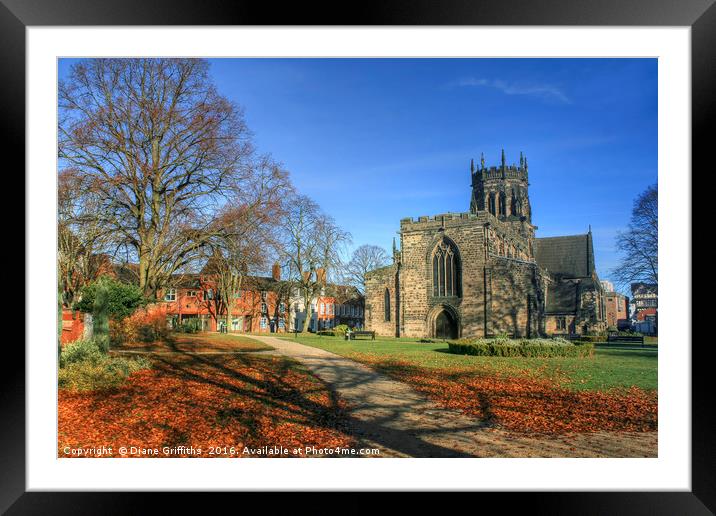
point(257, 308)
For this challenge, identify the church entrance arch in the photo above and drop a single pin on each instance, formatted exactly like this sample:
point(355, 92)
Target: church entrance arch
point(443, 323)
point(445, 326)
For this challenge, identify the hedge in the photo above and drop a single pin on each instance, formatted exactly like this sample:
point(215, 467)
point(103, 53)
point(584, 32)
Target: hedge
point(592, 338)
point(338, 331)
point(521, 348)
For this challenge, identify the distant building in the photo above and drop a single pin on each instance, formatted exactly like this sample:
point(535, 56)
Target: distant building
point(334, 305)
point(617, 310)
point(607, 285)
point(645, 297)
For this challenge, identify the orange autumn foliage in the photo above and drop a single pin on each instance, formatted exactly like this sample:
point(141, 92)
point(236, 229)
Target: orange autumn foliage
point(528, 405)
point(206, 400)
point(144, 325)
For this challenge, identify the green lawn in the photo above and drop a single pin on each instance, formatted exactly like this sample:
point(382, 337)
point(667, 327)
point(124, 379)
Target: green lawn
point(609, 368)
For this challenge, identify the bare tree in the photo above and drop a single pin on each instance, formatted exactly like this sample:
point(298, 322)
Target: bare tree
point(159, 148)
point(639, 244)
point(81, 240)
point(311, 248)
point(364, 259)
point(245, 235)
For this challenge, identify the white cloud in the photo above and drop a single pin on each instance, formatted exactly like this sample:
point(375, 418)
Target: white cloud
point(546, 92)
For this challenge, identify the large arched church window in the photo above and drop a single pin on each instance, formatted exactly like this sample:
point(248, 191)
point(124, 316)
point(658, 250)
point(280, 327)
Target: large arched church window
point(446, 270)
point(387, 305)
point(503, 204)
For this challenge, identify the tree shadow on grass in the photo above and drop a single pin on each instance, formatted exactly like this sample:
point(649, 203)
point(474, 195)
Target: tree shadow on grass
point(296, 405)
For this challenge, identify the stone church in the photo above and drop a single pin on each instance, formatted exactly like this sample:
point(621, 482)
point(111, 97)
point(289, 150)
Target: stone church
point(484, 273)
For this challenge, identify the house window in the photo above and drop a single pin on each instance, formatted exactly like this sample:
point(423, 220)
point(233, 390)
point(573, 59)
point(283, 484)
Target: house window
point(282, 307)
point(323, 308)
point(330, 308)
point(171, 295)
point(263, 295)
point(209, 294)
point(191, 293)
point(264, 323)
point(446, 270)
point(264, 308)
point(561, 323)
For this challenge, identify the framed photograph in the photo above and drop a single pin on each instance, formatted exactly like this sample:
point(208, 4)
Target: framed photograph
point(420, 246)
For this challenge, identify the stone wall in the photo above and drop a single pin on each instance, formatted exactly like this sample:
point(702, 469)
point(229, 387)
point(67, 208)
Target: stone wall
point(376, 283)
point(551, 324)
point(418, 240)
point(514, 298)
point(590, 316)
point(511, 304)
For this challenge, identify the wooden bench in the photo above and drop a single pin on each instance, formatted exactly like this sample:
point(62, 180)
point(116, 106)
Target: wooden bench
point(637, 339)
point(355, 334)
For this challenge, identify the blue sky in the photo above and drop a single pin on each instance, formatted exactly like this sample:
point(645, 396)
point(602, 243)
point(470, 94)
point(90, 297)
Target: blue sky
point(376, 140)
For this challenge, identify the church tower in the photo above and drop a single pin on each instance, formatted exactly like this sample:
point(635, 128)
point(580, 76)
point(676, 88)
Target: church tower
point(501, 190)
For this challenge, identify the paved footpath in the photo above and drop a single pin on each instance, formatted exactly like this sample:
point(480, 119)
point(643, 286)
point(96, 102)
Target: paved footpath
point(391, 416)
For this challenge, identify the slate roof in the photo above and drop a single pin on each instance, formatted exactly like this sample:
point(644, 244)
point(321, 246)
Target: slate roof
point(566, 256)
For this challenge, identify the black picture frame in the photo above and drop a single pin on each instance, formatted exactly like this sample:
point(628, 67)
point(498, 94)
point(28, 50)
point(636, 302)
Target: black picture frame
point(700, 15)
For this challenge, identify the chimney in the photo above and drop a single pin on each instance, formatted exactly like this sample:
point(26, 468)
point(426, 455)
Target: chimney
point(276, 272)
point(321, 276)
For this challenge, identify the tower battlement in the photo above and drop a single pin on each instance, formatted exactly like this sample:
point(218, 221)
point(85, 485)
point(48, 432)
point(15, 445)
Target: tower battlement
point(501, 190)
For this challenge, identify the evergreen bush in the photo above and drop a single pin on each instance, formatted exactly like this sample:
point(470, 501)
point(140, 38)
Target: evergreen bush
point(501, 347)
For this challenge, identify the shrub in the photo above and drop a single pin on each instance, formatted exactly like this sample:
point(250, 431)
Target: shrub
point(89, 376)
point(629, 333)
point(189, 326)
point(145, 325)
point(119, 299)
point(326, 333)
point(81, 351)
point(592, 338)
point(127, 366)
point(83, 366)
point(521, 348)
point(340, 330)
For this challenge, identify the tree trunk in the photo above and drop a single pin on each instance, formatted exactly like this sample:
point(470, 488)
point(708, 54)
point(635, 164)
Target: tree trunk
point(228, 316)
point(309, 314)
